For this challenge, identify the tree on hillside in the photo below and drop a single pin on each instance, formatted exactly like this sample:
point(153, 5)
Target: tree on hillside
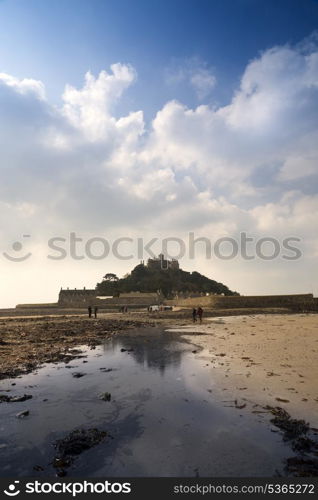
point(110, 277)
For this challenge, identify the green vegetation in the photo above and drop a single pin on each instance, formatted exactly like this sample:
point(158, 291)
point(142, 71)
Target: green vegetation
point(151, 278)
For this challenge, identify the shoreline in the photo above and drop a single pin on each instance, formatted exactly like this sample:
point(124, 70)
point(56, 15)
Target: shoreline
point(261, 359)
point(250, 366)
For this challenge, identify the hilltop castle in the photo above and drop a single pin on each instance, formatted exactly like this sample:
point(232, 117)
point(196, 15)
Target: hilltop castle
point(162, 263)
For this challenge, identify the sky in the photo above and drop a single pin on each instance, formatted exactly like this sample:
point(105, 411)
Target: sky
point(132, 127)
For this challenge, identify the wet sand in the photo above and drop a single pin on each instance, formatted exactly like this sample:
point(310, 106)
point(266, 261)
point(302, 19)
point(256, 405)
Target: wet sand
point(238, 367)
point(158, 419)
point(263, 359)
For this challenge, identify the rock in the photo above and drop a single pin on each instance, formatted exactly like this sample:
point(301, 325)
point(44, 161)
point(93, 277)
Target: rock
point(78, 374)
point(61, 462)
point(106, 396)
point(304, 444)
point(291, 427)
point(61, 473)
point(74, 444)
point(14, 399)
point(239, 407)
point(38, 468)
point(303, 467)
point(23, 414)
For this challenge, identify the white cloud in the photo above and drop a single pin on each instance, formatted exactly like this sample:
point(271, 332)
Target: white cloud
point(203, 81)
point(89, 109)
point(79, 167)
point(194, 72)
point(24, 86)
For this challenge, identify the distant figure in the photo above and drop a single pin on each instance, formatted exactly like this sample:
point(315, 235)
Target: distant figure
point(200, 313)
point(194, 315)
point(95, 311)
point(89, 311)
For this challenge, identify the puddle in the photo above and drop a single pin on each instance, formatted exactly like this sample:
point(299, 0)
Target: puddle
point(161, 418)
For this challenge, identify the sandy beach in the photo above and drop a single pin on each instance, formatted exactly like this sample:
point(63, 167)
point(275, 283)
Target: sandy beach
point(258, 359)
point(212, 386)
point(263, 359)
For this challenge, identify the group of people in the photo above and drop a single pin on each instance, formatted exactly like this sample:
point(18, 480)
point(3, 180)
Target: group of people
point(90, 311)
point(197, 313)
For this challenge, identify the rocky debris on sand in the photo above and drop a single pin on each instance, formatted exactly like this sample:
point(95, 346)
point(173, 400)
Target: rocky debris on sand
point(74, 444)
point(303, 467)
point(305, 444)
point(75, 351)
point(23, 414)
point(78, 374)
point(29, 342)
point(106, 370)
point(291, 427)
point(126, 350)
point(303, 441)
point(105, 396)
point(14, 399)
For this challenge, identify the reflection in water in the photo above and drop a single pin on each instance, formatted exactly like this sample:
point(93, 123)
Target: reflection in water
point(161, 420)
point(154, 353)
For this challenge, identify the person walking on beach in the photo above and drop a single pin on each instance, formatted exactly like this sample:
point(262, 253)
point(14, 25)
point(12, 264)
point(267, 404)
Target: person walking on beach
point(194, 315)
point(95, 311)
point(200, 313)
point(89, 311)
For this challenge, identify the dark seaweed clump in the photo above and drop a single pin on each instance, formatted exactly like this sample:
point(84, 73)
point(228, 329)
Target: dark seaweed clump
point(303, 441)
point(74, 444)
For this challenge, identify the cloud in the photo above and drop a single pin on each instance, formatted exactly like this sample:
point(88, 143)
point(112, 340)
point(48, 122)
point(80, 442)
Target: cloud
point(192, 72)
point(216, 171)
point(203, 81)
point(24, 86)
point(89, 109)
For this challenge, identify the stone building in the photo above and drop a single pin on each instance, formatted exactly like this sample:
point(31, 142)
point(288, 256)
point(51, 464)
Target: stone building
point(88, 297)
point(77, 298)
point(162, 263)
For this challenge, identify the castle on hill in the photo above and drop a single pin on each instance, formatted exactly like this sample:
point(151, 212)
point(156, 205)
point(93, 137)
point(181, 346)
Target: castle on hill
point(162, 263)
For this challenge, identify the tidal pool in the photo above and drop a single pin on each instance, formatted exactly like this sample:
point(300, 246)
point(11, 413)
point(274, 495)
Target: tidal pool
point(162, 419)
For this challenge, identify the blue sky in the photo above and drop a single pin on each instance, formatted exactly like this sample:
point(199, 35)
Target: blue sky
point(157, 119)
point(58, 41)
